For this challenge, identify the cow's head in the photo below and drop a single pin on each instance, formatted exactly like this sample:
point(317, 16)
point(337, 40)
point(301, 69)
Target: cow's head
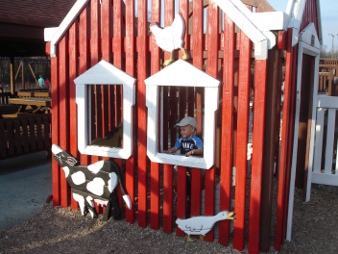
point(64, 159)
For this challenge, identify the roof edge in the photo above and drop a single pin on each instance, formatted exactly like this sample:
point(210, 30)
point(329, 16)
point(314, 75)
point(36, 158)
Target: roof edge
point(262, 37)
point(65, 24)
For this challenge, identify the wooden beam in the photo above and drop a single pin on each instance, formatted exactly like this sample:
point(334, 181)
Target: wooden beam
point(262, 5)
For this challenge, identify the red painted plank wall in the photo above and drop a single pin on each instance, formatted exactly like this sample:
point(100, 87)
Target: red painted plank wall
point(111, 31)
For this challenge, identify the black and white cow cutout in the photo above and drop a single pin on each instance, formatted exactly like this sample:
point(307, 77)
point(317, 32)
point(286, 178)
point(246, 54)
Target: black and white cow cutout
point(93, 183)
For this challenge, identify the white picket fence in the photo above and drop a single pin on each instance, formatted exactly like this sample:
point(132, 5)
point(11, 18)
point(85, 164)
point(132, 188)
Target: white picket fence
point(325, 163)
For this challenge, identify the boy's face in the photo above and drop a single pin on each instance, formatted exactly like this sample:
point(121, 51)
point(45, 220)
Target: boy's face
point(187, 131)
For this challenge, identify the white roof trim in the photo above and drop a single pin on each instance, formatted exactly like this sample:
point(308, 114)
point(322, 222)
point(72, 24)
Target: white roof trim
point(250, 25)
point(49, 32)
point(182, 73)
point(65, 24)
point(274, 20)
point(309, 36)
point(295, 9)
point(319, 16)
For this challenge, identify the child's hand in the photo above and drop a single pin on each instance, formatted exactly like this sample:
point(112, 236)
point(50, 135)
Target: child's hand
point(167, 151)
point(189, 153)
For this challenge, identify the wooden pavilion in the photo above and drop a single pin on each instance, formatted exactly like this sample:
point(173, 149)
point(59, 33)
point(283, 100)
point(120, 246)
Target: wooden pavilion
point(22, 25)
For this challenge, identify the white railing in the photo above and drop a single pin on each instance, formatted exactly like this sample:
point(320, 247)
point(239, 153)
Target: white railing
point(325, 163)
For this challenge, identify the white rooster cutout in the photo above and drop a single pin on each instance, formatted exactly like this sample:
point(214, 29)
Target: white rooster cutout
point(201, 225)
point(171, 38)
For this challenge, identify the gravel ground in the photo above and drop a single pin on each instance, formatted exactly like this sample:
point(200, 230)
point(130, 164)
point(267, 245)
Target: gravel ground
point(56, 230)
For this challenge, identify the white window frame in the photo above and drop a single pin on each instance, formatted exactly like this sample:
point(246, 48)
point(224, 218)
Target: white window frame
point(104, 73)
point(182, 74)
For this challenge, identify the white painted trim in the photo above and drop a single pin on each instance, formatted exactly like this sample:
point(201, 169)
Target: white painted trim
point(104, 73)
point(303, 48)
point(182, 74)
point(274, 21)
point(65, 24)
point(49, 33)
point(319, 17)
point(295, 8)
point(250, 25)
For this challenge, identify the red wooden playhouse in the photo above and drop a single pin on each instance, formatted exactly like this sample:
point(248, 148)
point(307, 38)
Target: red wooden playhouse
point(107, 72)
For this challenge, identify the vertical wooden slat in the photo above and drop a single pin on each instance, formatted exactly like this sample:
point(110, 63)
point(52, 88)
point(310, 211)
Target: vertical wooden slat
point(73, 54)
point(105, 31)
point(197, 42)
point(64, 113)
point(94, 32)
point(167, 198)
point(168, 19)
point(84, 56)
point(55, 130)
point(284, 153)
point(10, 138)
point(320, 120)
point(257, 158)
point(227, 125)
point(329, 147)
point(32, 137)
point(173, 114)
point(109, 19)
point(181, 188)
point(186, 94)
point(184, 11)
point(242, 140)
point(141, 112)
point(212, 69)
point(168, 169)
point(155, 195)
point(291, 124)
point(155, 167)
point(47, 127)
point(130, 69)
point(94, 59)
point(114, 95)
point(25, 129)
point(38, 133)
point(270, 146)
point(17, 137)
point(107, 22)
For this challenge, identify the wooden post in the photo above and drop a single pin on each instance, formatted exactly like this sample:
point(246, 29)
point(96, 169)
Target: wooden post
point(31, 69)
point(23, 74)
point(11, 75)
point(273, 99)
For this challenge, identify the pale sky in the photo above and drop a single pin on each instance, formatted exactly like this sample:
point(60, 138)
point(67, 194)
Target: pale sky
point(329, 18)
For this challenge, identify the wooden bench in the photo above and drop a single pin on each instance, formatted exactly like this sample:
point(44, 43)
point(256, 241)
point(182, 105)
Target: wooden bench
point(41, 93)
point(37, 104)
point(24, 94)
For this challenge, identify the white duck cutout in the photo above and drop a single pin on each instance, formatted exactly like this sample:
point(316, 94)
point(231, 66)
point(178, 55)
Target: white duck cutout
point(201, 225)
point(171, 38)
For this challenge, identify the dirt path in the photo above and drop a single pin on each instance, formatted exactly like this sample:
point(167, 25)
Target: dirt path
point(55, 230)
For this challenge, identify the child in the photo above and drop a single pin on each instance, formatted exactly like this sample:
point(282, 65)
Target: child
point(188, 143)
point(41, 82)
